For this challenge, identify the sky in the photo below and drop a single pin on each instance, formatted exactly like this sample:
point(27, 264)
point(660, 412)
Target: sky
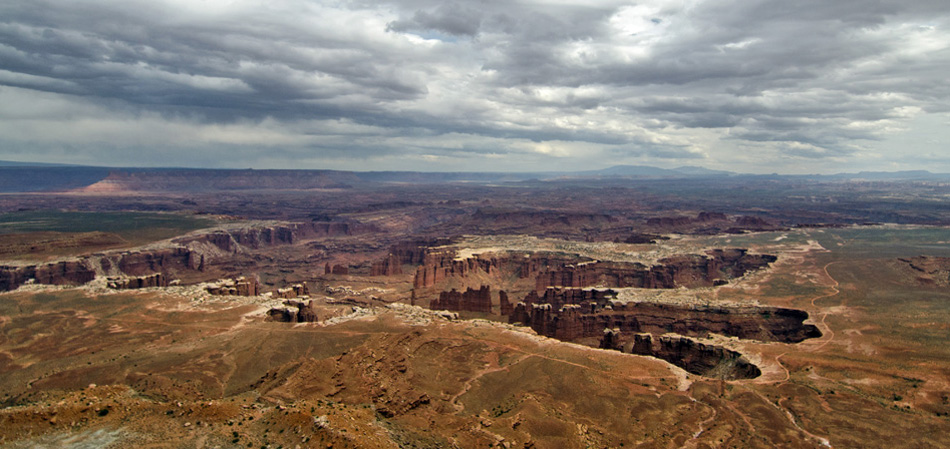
point(755, 86)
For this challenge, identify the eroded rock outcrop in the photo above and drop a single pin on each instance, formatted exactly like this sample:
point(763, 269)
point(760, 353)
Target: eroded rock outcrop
point(593, 317)
point(83, 270)
point(468, 301)
point(256, 237)
point(695, 357)
point(236, 287)
point(294, 291)
point(710, 223)
point(337, 229)
point(390, 266)
point(575, 318)
point(557, 270)
point(141, 263)
point(505, 306)
point(413, 252)
point(927, 270)
point(441, 264)
point(304, 313)
point(337, 269)
point(438, 266)
point(641, 238)
point(714, 268)
point(152, 280)
point(60, 273)
point(669, 222)
point(558, 298)
point(281, 315)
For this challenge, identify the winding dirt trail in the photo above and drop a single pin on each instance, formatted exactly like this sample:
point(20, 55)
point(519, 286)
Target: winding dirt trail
point(791, 419)
point(824, 328)
point(827, 333)
point(694, 440)
point(493, 367)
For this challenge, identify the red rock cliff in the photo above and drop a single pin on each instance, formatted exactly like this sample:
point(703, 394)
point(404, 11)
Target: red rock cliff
point(60, 273)
point(567, 317)
point(717, 267)
point(469, 301)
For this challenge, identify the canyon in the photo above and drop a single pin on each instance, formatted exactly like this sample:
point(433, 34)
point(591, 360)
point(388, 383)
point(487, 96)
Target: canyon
point(594, 317)
point(267, 308)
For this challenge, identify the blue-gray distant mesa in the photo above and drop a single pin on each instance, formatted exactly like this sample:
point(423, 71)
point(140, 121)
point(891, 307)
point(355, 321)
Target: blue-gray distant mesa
point(804, 86)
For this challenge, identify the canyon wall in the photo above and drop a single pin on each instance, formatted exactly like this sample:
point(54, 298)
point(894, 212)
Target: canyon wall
point(59, 273)
point(695, 357)
point(714, 268)
point(468, 301)
point(83, 270)
point(192, 254)
point(593, 315)
point(390, 266)
point(441, 264)
point(256, 237)
point(567, 318)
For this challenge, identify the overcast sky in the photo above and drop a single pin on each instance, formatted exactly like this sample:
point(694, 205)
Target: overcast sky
point(788, 86)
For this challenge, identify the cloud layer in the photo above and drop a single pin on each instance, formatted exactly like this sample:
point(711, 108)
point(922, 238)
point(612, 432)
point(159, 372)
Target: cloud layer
point(751, 85)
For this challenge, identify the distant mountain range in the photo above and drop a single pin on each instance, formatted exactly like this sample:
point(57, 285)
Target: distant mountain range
point(31, 177)
point(651, 172)
point(33, 164)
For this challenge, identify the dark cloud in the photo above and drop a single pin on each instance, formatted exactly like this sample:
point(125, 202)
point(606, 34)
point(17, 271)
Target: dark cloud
point(346, 82)
point(451, 18)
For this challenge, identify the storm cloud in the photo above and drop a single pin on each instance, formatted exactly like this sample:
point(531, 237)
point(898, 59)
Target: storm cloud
point(754, 85)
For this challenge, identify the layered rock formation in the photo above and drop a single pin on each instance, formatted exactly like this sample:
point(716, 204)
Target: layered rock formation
point(413, 252)
point(438, 266)
point(249, 237)
point(553, 270)
point(390, 266)
point(335, 269)
point(715, 268)
point(236, 287)
point(640, 238)
point(441, 264)
point(710, 223)
point(697, 358)
point(927, 270)
point(304, 313)
point(567, 318)
point(469, 301)
point(59, 273)
point(593, 317)
point(705, 217)
point(141, 263)
point(669, 222)
point(558, 298)
point(256, 237)
point(152, 280)
point(85, 269)
point(505, 306)
point(753, 223)
point(337, 229)
point(294, 291)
